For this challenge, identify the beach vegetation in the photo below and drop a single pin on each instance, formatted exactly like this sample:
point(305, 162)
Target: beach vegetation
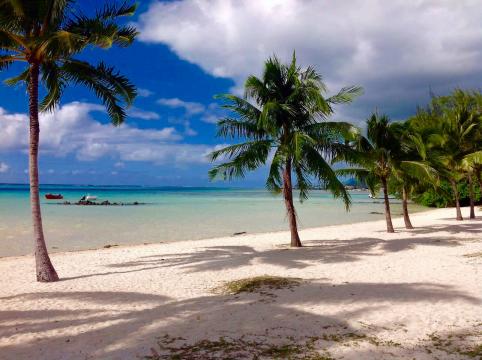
point(244, 347)
point(451, 127)
point(47, 36)
point(258, 284)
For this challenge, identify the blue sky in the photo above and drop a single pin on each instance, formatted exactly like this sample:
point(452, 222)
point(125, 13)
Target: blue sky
point(188, 51)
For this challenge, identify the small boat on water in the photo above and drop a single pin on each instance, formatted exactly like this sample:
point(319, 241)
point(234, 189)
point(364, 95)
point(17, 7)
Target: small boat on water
point(88, 198)
point(54, 196)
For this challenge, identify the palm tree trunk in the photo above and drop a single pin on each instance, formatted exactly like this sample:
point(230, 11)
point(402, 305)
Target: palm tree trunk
point(44, 268)
point(471, 197)
point(388, 215)
point(457, 200)
point(288, 196)
point(406, 217)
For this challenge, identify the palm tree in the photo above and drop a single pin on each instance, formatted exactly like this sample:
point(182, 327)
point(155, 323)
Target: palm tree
point(374, 156)
point(282, 119)
point(410, 166)
point(458, 127)
point(46, 35)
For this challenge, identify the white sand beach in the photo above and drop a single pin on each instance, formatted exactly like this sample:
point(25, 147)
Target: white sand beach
point(365, 294)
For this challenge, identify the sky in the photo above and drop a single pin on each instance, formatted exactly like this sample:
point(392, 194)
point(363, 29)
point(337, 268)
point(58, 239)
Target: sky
point(190, 50)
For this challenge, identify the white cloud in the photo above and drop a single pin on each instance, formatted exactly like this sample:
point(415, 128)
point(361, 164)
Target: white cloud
point(213, 114)
point(144, 92)
point(209, 114)
point(72, 130)
point(3, 167)
point(396, 49)
point(142, 114)
point(191, 108)
point(167, 153)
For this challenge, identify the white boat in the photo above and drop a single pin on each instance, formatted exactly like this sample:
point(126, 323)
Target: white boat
point(88, 198)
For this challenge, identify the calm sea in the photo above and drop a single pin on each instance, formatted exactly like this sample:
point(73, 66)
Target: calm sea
point(169, 214)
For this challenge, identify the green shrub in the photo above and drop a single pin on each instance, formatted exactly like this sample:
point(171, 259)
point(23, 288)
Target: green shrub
point(443, 196)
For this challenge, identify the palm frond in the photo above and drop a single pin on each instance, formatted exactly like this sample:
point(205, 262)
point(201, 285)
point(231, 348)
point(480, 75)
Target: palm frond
point(54, 82)
point(243, 157)
point(346, 95)
point(111, 87)
point(274, 182)
point(114, 10)
point(303, 183)
point(420, 170)
point(232, 128)
point(15, 80)
point(317, 166)
point(474, 158)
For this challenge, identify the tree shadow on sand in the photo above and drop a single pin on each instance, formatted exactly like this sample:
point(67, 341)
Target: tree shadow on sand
point(472, 227)
point(111, 325)
point(314, 252)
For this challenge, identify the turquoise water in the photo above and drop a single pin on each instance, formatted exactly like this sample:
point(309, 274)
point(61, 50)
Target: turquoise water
point(169, 214)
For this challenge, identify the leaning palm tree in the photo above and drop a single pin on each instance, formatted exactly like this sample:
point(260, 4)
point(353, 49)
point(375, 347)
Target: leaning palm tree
point(46, 35)
point(282, 117)
point(372, 158)
point(410, 165)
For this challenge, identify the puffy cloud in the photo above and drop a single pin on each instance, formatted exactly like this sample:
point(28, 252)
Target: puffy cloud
point(3, 167)
point(209, 114)
point(144, 92)
point(191, 108)
point(72, 130)
point(166, 153)
point(396, 49)
point(137, 113)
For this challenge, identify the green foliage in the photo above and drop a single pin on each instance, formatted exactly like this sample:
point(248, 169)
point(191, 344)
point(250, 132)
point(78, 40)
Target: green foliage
point(50, 34)
point(443, 195)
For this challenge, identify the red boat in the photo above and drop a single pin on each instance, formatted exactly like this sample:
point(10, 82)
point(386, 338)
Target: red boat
point(54, 196)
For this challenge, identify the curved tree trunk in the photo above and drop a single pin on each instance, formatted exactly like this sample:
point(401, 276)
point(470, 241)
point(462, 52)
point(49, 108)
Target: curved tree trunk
point(388, 215)
point(457, 201)
point(406, 217)
point(44, 268)
point(471, 197)
point(288, 196)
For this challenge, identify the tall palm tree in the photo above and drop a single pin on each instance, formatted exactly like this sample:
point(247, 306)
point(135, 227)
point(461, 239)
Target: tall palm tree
point(46, 35)
point(282, 119)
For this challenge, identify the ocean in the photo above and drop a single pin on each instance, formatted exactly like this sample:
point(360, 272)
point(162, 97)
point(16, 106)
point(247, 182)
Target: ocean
point(167, 214)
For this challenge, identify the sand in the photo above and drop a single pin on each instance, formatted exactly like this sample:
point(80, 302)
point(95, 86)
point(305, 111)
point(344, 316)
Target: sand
point(365, 294)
